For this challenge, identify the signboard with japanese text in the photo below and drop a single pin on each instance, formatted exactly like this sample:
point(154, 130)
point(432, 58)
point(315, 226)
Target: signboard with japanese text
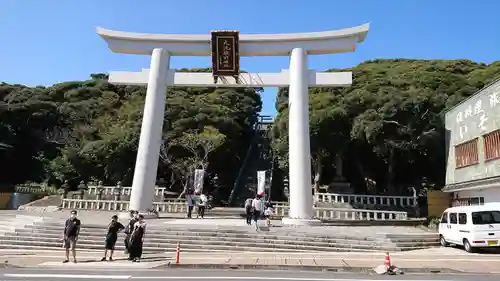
point(225, 53)
point(473, 118)
point(476, 116)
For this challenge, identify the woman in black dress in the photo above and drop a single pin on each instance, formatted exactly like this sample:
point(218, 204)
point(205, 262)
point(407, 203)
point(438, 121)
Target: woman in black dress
point(136, 240)
point(109, 244)
point(130, 227)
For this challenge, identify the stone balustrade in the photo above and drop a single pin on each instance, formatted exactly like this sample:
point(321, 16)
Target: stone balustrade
point(103, 205)
point(111, 205)
point(125, 190)
point(381, 200)
point(280, 209)
point(359, 214)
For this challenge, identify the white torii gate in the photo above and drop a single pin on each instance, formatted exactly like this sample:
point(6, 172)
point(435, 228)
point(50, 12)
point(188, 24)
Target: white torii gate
point(298, 78)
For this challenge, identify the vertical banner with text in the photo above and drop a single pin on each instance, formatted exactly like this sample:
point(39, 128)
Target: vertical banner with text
point(199, 175)
point(261, 182)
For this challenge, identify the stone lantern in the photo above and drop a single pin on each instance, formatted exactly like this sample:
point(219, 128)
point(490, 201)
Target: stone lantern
point(63, 190)
point(117, 192)
point(81, 189)
point(99, 191)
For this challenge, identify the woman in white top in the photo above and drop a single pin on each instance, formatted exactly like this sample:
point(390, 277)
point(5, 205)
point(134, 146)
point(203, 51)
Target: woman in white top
point(258, 209)
point(202, 204)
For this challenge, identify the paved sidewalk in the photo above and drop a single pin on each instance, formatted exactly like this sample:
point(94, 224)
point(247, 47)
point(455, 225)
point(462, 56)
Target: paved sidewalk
point(444, 259)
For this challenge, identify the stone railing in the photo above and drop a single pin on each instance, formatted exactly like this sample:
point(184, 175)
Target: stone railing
point(381, 200)
point(111, 205)
point(104, 205)
point(347, 214)
point(280, 209)
point(125, 190)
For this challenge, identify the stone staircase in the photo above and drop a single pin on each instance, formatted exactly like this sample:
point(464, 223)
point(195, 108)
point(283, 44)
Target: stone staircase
point(45, 234)
point(12, 220)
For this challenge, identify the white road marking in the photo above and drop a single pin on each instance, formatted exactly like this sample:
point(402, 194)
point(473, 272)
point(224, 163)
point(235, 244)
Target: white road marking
point(167, 258)
point(279, 255)
point(67, 276)
point(258, 278)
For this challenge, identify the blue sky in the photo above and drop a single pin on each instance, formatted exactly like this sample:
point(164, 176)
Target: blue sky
point(50, 41)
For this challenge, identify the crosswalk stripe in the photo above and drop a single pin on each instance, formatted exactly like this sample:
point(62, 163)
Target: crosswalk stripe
point(67, 276)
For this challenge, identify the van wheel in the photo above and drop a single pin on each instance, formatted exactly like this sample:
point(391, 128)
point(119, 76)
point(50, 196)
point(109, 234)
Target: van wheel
point(443, 242)
point(468, 248)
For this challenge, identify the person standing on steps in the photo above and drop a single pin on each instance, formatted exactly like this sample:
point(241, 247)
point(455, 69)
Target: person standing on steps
point(268, 212)
point(202, 205)
point(109, 244)
point(137, 240)
point(258, 209)
point(190, 202)
point(130, 227)
point(249, 210)
point(71, 232)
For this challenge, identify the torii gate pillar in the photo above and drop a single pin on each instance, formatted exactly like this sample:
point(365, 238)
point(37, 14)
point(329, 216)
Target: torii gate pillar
point(299, 78)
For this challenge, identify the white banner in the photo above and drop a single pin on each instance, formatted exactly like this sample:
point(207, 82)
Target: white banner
point(198, 180)
point(261, 182)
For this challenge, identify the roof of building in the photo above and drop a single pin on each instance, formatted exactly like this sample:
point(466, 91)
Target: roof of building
point(473, 95)
point(472, 185)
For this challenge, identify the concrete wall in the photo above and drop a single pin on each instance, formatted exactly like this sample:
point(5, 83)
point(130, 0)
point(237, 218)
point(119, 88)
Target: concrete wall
point(476, 116)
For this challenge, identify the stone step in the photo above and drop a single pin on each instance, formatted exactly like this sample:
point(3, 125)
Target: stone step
point(317, 246)
point(93, 245)
point(277, 234)
point(200, 234)
point(188, 235)
point(210, 230)
point(241, 242)
point(203, 244)
point(228, 238)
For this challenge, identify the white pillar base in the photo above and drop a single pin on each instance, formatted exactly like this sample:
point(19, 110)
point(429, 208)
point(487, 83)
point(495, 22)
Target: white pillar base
point(301, 222)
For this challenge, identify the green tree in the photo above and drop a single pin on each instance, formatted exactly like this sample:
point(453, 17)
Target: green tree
point(90, 130)
point(387, 128)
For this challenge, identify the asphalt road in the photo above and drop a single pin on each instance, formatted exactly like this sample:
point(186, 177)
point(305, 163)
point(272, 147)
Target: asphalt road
point(214, 275)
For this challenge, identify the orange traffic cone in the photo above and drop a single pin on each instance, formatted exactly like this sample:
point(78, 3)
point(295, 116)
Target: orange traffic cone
point(387, 261)
point(178, 254)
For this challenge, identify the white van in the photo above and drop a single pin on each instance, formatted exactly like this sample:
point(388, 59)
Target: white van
point(471, 226)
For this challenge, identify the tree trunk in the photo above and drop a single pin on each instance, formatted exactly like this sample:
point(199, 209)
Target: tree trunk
point(362, 172)
point(339, 174)
point(390, 172)
point(185, 184)
point(317, 173)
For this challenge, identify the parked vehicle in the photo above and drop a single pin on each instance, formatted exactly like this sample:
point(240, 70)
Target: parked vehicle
point(472, 227)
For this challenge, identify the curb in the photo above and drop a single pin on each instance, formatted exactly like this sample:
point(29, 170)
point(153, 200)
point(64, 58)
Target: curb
point(363, 270)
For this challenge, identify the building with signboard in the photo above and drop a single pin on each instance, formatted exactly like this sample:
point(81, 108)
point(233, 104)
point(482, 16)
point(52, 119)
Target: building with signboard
point(473, 148)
